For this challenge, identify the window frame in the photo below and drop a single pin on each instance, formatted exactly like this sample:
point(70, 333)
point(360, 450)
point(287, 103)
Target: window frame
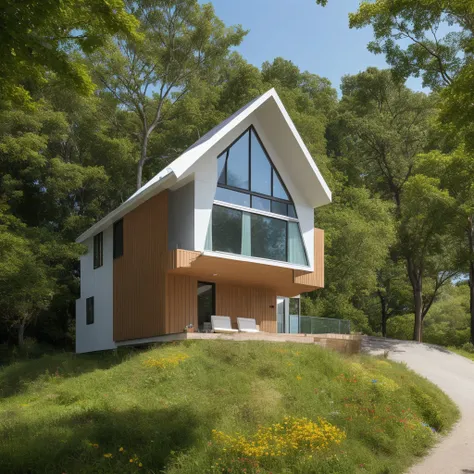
point(98, 250)
point(273, 171)
point(115, 245)
point(90, 311)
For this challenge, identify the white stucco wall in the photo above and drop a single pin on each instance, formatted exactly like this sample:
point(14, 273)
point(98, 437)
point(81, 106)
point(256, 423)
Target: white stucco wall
point(181, 218)
point(99, 284)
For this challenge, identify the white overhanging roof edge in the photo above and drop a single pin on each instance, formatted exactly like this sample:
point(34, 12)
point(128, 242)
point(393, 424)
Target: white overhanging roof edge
point(170, 175)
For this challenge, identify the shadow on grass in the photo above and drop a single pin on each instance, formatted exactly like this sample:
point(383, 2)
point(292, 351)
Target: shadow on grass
point(16, 376)
point(65, 445)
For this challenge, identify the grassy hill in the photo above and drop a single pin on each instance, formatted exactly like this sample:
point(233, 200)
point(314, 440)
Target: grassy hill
point(216, 406)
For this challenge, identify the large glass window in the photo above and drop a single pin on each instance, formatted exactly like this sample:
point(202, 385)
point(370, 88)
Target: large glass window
point(232, 197)
point(255, 235)
point(247, 178)
point(238, 163)
point(245, 167)
point(268, 238)
point(261, 168)
point(226, 230)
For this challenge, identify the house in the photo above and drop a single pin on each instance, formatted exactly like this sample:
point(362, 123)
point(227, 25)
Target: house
point(226, 229)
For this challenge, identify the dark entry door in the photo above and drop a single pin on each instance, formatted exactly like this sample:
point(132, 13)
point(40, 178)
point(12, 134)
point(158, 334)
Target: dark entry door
point(206, 295)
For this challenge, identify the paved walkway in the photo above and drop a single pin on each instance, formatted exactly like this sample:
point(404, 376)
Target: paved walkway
point(455, 376)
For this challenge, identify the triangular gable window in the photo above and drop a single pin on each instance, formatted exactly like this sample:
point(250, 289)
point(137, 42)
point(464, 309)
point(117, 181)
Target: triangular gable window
point(247, 177)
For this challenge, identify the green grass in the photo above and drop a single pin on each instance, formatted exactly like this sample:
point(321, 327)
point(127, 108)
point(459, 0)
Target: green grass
point(62, 413)
point(462, 352)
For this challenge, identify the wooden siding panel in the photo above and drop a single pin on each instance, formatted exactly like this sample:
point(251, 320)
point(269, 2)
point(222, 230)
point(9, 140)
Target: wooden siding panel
point(247, 302)
point(140, 274)
point(316, 278)
point(181, 303)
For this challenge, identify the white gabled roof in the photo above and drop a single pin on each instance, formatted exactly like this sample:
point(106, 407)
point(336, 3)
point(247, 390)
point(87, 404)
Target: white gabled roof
point(308, 177)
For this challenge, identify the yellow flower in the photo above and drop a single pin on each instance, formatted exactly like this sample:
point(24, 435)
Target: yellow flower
point(121, 450)
point(108, 455)
point(131, 460)
point(140, 465)
point(298, 377)
point(95, 445)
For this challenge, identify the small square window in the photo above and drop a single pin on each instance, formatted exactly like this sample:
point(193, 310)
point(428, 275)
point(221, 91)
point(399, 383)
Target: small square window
point(98, 250)
point(118, 238)
point(90, 310)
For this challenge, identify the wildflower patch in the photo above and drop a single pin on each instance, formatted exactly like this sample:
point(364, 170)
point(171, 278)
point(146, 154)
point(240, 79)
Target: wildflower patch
point(166, 362)
point(292, 436)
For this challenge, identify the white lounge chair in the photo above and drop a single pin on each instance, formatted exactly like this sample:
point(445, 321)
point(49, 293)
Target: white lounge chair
point(222, 324)
point(247, 325)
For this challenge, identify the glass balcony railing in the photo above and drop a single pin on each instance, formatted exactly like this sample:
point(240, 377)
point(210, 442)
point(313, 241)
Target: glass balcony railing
point(315, 325)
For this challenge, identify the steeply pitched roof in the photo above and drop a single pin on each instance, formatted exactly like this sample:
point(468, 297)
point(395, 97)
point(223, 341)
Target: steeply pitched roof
point(318, 195)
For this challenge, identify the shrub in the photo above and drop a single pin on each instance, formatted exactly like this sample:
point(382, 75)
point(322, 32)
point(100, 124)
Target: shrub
point(468, 347)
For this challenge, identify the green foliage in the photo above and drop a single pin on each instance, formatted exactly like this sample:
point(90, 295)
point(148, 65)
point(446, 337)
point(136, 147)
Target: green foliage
point(182, 46)
point(446, 324)
point(358, 232)
point(37, 36)
point(97, 412)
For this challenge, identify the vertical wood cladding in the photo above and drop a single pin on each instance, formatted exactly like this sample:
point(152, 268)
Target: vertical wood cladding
point(150, 301)
point(140, 274)
point(315, 278)
point(181, 303)
point(247, 302)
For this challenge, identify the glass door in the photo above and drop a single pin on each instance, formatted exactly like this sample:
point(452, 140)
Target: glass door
point(294, 315)
point(206, 303)
point(281, 315)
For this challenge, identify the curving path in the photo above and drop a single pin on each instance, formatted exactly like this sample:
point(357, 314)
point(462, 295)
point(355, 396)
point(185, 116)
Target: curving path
point(454, 374)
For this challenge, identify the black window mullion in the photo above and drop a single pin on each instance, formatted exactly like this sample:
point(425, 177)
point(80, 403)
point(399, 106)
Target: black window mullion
point(250, 160)
point(225, 166)
point(271, 186)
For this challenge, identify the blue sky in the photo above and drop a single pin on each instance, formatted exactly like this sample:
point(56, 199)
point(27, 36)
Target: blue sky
point(316, 39)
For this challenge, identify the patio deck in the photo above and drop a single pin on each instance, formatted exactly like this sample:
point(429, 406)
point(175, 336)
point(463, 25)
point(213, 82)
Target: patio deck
point(344, 343)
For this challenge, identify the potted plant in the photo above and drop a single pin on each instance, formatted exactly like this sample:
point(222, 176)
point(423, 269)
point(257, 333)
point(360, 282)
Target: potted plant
point(189, 328)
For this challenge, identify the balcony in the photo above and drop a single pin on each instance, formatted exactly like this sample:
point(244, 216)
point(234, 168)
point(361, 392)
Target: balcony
point(234, 269)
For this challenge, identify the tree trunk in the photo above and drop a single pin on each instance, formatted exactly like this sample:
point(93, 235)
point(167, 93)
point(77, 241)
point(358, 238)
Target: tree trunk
point(418, 297)
point(383, 304)
point(416, 280)
point(21, 334)
point(142, 161)
point(471, 297)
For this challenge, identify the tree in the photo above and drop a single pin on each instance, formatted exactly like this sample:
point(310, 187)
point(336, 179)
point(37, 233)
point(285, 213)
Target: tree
point(30, 260)
point(442, 61)
point(425, 241)
point(455, 172)
point(54, 169)
point(383, 126)
point(359, 230)
point(36, 37)
point(184, 44)
point(393, 292)
point(381, 129)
